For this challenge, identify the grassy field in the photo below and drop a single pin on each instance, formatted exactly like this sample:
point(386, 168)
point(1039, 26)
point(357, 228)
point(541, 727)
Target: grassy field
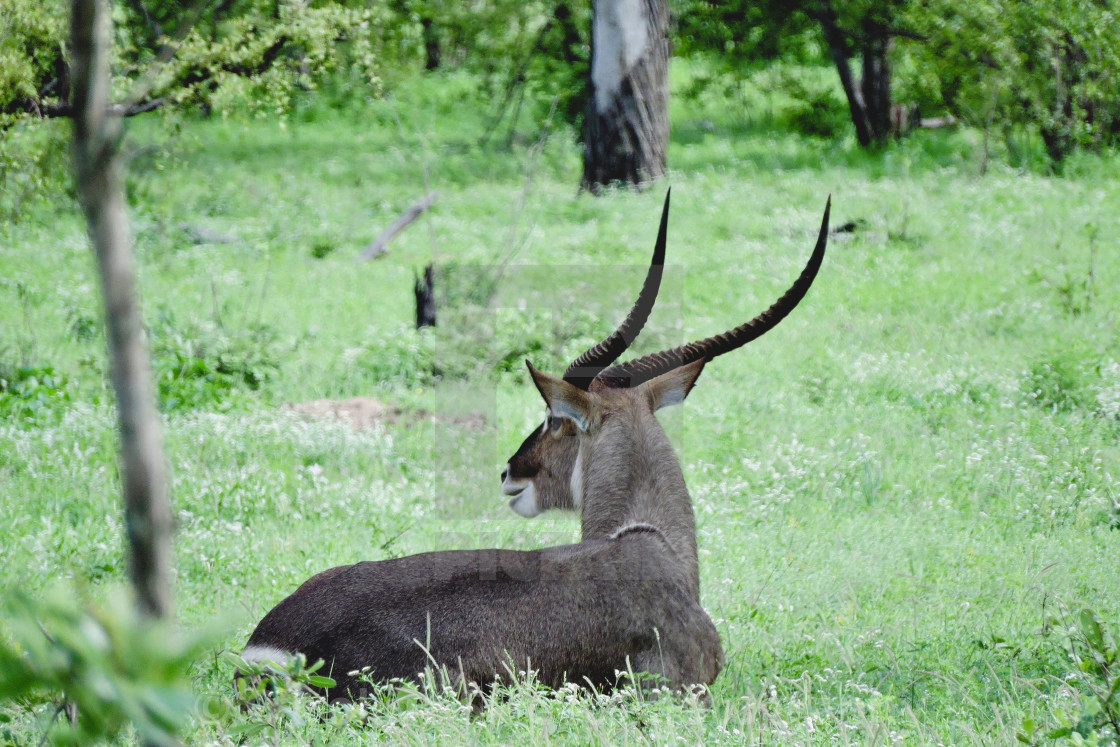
point(906, 494)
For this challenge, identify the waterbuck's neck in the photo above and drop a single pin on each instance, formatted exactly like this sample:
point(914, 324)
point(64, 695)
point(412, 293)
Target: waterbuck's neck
point(629, 475)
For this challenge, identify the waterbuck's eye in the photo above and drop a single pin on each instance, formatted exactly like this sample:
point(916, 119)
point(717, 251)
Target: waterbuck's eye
point(555, 423)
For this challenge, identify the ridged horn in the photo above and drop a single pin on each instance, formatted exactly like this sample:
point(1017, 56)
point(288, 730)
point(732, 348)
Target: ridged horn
point(635, 372)
point(592, 361)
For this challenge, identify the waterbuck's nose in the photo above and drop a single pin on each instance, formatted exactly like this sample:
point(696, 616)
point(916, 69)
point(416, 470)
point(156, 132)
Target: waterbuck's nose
point(505, 472)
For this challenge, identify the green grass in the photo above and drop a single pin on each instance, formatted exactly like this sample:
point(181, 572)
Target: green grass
point(898, 490)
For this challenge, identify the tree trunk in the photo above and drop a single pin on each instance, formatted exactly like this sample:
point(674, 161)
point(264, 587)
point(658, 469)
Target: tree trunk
point(627, 125)
point(432, 54)
point(423, 289)
point(838, 49)
point(97, 133)
point(876, 85)
point(870, 101)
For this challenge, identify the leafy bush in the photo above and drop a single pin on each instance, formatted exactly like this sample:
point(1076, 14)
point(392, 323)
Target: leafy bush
point(202, 365)
point(533, 50)
point(1056, 384)
point(30, 55)
point(1092, 716)
point(27, 392)
point(817, 109)
point(114, 667)
point(249, 55)
point(34, 163)
point(270, 693)
point(405, 358)
point(1051, 65)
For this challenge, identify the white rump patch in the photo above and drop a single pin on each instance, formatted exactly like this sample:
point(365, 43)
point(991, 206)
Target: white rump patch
point(255, 654)
point(576, 483)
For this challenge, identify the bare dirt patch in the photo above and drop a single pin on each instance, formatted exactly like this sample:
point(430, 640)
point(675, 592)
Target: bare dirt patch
point(365, 412)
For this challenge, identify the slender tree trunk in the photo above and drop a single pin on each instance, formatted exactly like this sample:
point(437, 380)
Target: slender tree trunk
point(432, 54)
point(424, 290)
point(838, 49)
point(876, 86)
point(627, 125)
point(97, 171)
point(869, 100)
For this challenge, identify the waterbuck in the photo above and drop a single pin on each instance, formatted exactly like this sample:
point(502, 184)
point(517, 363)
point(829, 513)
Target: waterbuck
point(538, 475)
point(580, 613)
point(625, 598)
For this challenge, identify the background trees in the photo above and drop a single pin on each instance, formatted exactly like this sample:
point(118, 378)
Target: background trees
point(240, 54)
point(1045, 69)
point(1051, 66)
point(745, 35)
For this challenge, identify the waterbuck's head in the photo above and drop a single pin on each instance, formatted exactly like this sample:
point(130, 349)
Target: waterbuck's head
point(624, 464)
point(539, 476)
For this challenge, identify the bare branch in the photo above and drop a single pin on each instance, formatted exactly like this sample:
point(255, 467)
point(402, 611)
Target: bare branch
point(377, 247)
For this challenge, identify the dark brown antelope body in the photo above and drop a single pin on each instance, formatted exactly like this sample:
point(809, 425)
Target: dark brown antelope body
point(625, 598)
point(579, 613)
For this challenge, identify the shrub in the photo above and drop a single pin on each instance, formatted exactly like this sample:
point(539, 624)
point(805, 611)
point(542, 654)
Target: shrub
point(101, 657)
point(28, 392)
point(203, 365)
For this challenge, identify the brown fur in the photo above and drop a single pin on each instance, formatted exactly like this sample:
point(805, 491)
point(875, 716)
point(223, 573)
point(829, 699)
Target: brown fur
point(578, 613)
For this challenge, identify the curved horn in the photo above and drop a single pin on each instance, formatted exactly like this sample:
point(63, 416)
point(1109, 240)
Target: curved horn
point(587, 366)
point(632, 373)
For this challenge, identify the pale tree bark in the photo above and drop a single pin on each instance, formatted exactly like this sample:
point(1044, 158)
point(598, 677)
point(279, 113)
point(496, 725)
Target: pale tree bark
point(97, 132)
point(627, 125)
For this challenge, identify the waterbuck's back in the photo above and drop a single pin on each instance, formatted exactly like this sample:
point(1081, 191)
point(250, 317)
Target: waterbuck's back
point(573, 613)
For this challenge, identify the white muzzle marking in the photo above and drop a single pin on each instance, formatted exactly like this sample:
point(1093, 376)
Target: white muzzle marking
point(523, 496)
point(525, 501)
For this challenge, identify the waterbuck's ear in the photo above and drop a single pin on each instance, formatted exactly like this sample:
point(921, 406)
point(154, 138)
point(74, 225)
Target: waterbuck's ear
point(671, 387)
point(563, 399)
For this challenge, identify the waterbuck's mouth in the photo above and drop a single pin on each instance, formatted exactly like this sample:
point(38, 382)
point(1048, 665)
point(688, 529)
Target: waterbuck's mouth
point(513, 488)
point(523, 498)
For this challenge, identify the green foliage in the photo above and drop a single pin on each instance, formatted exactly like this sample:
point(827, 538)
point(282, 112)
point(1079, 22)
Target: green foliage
point(272, 693)
point(880, 505)
point(201, 364)
point(1053, 65)
point(1057, 383)
point(1090, 715)
point(34, 164)
point(528, 55)
point(259, 59)
point(31, 49)
point(818, 107)
point(28, 393)
point(112, 666)
point(404, 357)
point(743, 34)
point(247, 56)
point(1070, 382)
